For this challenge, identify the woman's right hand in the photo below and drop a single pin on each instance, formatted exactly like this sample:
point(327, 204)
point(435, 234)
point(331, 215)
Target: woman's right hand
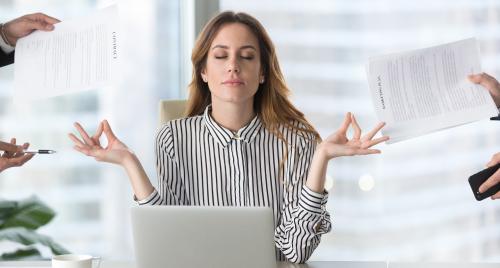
point(115, 152)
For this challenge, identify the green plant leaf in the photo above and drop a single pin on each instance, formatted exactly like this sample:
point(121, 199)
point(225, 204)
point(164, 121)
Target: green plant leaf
point(28, 237)
point(22, 254)
point(30, 213)
point(6, 208)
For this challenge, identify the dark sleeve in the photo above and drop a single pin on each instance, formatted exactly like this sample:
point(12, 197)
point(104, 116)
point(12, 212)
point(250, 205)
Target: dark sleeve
point(497, 118)
point(6, 59)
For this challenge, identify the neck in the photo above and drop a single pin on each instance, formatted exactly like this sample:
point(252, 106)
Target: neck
point(232, 116)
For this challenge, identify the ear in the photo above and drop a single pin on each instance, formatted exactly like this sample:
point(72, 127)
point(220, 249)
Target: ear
point(261, 77)
point(204, 75)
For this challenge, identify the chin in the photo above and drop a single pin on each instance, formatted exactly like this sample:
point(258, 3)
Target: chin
point(235, 98)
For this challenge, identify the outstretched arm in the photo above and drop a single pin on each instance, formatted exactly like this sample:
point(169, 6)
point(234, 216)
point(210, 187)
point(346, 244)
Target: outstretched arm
point(116, 152)
point(337, 145)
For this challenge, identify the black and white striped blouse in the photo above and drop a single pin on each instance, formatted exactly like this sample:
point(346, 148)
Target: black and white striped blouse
point(201, 163)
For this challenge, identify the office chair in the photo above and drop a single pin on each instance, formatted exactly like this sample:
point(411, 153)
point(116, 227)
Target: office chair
point(171, 109)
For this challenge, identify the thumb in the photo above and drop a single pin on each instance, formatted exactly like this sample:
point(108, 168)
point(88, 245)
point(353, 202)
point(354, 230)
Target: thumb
point(475, 78)
point(494, 160)
point(32, 25)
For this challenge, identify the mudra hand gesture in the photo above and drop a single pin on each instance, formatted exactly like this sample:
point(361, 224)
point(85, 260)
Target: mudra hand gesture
point(115, 152)
point(338, 144)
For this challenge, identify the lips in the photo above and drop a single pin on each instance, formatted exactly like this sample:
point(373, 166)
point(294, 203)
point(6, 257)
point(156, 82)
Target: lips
point(233, 82)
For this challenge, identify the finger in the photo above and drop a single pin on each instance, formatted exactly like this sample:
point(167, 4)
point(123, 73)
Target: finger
point(76, 140)
point(44, 17)
point(84, 150)
point(374, 131)
point(8, 147)
point(26, 145)
point(485, 80)
point(367, 151)
point(25, 158)
point(357, 129)
point(495, 159)
point(20, 160)
point(368, 144)
point(10, 154)
point(23, 148)
point(84, 134)
point(31, 25)
point(345, 125)
point(496, 196)
point(40, 21)
point(107, 130)
point(474, 78)
point(494, 179)
point(98, 134)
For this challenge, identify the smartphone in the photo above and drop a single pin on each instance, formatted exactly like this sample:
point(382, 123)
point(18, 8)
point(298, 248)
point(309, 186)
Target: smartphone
point(477, 179)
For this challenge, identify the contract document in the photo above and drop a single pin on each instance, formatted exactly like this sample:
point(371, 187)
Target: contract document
point(79, 54)
point(425, 90)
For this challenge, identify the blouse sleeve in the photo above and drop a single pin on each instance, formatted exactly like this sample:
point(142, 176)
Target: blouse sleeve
point(304, 216)
point(170, 189)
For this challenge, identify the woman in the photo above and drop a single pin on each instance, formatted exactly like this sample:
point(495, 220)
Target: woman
point(243, 142)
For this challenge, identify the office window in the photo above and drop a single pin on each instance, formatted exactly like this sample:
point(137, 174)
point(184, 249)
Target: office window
point(412, 202)
point(92, 199)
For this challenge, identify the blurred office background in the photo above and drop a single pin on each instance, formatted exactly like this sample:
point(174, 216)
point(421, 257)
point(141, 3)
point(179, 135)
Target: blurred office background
point(412, 203)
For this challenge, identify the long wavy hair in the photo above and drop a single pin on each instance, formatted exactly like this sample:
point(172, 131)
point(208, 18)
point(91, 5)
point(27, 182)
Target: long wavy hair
point(271, 101)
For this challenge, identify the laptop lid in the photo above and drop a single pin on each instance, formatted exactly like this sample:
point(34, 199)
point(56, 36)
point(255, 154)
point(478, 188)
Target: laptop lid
point(194, 237)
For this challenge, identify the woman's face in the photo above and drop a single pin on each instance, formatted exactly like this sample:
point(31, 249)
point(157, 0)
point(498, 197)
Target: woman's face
point(233, 69)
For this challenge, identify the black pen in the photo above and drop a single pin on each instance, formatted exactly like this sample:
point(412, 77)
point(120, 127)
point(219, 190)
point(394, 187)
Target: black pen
point(41, 152)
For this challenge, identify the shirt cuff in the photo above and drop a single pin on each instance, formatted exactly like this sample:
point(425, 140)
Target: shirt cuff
point(497, 118)
point(147, 200)
point(5, 47)
point(312, 201)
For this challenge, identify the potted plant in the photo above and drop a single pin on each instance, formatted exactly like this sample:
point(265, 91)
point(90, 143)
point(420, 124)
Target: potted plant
point(19, 221)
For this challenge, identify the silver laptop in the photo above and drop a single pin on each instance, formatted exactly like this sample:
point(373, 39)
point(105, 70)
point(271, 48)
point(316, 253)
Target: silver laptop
point(208, 237)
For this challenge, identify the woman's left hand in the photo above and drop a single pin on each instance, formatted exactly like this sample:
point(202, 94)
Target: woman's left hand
point(338, 144)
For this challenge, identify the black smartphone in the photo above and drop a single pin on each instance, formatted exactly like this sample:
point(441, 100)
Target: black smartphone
point(477, 179)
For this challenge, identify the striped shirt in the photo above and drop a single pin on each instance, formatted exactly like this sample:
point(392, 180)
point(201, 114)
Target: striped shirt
point(201, 163)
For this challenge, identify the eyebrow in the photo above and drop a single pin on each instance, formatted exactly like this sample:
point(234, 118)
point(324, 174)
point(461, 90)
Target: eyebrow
point(242, 47)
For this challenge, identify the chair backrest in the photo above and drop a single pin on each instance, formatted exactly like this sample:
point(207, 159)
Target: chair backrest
point(171, 109)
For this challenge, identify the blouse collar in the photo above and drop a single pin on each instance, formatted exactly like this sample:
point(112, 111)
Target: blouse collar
point(224, 136)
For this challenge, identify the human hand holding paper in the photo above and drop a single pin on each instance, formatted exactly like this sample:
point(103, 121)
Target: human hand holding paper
point(490, 83)
point(25, 25)
point(422, 91)
point(79, 54)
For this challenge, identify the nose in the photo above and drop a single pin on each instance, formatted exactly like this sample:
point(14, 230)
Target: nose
point(233, 67)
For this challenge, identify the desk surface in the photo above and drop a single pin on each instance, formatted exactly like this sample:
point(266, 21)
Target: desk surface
point(312, 264)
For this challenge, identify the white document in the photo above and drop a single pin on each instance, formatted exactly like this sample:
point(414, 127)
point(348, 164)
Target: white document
point(425, 90)
point(79, 54)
